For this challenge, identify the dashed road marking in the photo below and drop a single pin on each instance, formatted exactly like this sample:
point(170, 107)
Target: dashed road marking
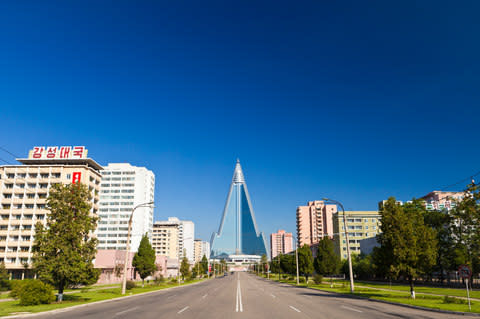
point(125, 311)
point(183, 309)
point(203, 297)
point(345, 307)
point(294, 308)
point(273, 295)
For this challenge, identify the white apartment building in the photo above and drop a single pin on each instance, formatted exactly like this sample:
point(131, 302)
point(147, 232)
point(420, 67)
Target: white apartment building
point(202, 248)
point(24, 190)
point(186, 234)
point(124, 187)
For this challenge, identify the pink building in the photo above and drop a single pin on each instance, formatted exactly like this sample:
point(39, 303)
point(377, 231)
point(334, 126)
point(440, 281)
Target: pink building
point(281, 243)
point(111, 260)
point(440, 200)
point(314, 221)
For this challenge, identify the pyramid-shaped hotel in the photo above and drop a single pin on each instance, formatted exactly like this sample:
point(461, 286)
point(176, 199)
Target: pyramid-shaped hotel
point(238, 232)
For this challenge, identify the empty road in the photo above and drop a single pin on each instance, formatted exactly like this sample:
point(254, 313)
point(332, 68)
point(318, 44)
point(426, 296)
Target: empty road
point(243, 295)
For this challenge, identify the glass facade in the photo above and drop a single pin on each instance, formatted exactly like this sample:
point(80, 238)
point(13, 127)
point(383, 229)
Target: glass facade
point(238, 232)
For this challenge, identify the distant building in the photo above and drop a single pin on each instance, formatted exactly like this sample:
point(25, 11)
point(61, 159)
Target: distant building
point(281, 243)
point(436, 200)
point(174, 238)
point(165, 238)
point(123, 187)
point(314, 222)
point(23, 196)
point(440, 200)
point(361, 225)
point(202, 248)
point(238, 233)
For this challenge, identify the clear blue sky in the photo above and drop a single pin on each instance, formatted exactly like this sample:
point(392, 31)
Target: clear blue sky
point(356, 100)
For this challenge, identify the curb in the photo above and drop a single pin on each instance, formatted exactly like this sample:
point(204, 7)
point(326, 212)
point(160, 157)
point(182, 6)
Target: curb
point(384, 301)
point(60, 310)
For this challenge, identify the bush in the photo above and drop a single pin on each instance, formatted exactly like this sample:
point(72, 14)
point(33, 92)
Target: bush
point(130, 284)
point(301, 280)
point(16, 287)
point(448, 299)
point(284, 276)
point(317, 279)
point(158, 280)
point(33, 292)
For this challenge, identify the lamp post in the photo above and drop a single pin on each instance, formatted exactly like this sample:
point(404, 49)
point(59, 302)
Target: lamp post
point(296, 258)
point(350, 271)
point(179, 263)
point(124, 282)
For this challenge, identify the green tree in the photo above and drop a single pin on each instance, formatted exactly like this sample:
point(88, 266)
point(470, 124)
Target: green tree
point(185, 268)
point(204, 264)
point(326, 262)
point(64, 250)
point(441, 222)
point(4, 277)
point(287, 264)
point(264, 262)
point(144, 259)
point(409, 244)
point(305, 261)
point(465, 229)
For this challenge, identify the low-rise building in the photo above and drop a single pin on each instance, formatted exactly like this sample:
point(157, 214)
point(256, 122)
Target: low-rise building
point(361, 225)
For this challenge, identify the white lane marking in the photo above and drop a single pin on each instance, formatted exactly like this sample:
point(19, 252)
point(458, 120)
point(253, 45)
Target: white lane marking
point(125, 311)
point(239, 305)
point(294, 308)
point(273, 295)
point(183, 309)
point(171, 296)
point(203, 297)
point(345, 307)
point(308, 297)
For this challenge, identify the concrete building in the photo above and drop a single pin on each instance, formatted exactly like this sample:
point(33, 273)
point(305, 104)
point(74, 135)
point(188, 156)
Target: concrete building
point(361, 225)
point(280, 243)
point(314, 222)
point(24, 190)
point(182, 246)
point(165, 238)
point(202, 248)
point(123, 187)
point(440, 200)
point(110, 263)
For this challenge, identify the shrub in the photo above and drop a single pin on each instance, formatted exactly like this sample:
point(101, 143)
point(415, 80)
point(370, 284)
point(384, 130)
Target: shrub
point(130, 284)
point(173, 280)
point(16, 287)
point(317, 279)
point(301, 280)
point(158, 280)
point(35, 292)
point(284, 276)
point(448, 299)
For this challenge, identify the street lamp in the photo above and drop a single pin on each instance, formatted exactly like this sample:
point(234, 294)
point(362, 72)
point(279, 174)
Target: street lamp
point(350, 271)
point(124, 283)
point(296, 257)
point(178, 255)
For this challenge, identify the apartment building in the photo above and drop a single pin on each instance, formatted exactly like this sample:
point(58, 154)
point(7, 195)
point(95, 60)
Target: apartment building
point(165, 238)
point(24, 190)
point(201, 248)
point(281, 242)
point(185, 241)
point(123, 187)
point(314, 221)
point(361, 225)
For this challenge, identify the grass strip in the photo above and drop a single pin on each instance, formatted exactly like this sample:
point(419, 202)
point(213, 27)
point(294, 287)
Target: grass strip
point(83, 296)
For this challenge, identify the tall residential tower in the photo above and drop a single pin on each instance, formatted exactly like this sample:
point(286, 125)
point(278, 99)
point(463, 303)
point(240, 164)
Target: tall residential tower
point(123, 187)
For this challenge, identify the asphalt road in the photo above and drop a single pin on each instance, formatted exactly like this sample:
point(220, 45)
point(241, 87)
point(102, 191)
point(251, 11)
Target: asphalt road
point(243, 295)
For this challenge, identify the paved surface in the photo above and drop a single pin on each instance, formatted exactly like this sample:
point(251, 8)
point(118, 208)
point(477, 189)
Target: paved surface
point(243, 295)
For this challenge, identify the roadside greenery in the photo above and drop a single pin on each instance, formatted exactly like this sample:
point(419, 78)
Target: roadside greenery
point(64, 250)
point(144, 259)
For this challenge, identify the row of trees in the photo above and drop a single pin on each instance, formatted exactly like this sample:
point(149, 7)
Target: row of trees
point(414, 243)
